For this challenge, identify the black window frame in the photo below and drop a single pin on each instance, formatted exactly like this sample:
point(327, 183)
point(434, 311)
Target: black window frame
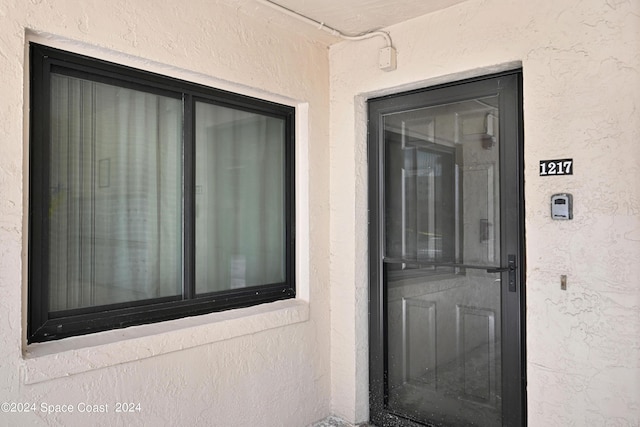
point(43, 325)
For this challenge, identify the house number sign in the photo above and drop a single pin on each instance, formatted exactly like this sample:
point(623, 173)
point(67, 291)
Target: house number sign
point(556, 167)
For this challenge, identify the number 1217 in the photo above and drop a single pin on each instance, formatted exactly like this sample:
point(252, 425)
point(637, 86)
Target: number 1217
point(556, 167)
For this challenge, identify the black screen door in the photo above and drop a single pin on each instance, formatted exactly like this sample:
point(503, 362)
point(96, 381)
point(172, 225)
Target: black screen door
point(446, 257)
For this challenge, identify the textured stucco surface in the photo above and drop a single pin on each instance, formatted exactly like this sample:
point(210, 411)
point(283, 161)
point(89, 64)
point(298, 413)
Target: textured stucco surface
point(268, 368)
point(581, 88)
point(581, 63)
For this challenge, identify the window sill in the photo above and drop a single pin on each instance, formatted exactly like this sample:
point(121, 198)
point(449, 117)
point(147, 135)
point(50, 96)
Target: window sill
point(70, 356)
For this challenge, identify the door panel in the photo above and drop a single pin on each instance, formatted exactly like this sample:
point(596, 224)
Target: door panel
point(444, 220)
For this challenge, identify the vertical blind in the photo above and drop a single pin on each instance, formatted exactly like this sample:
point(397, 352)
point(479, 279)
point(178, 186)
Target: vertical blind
point(116, 202)
point(240, 218)
point(115, 194)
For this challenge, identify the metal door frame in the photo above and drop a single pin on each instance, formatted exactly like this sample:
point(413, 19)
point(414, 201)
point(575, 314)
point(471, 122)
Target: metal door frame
point(508, 85)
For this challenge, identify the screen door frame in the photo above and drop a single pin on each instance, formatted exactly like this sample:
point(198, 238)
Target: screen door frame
point(508, 86)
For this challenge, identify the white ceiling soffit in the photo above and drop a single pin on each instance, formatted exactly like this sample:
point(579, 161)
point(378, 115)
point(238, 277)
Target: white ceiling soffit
point(360, 16)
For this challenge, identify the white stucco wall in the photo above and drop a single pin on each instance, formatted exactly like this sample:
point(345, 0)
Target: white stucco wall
point(266, 366)
point(581, 63)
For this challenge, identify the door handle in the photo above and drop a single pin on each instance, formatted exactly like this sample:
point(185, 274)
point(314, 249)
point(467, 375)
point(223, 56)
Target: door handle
point(511, 268)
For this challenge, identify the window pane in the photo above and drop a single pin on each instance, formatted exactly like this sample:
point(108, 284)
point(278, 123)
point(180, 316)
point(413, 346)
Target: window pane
point(440, 162)
point(240, 212)
point(420, 200)
point(115, 195)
